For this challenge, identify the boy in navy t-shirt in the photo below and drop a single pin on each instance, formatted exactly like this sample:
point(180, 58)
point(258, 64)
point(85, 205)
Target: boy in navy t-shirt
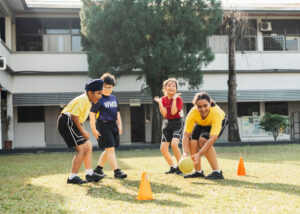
point(108, 127)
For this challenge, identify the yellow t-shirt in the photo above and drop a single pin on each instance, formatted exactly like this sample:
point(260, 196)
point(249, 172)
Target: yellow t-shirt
point(80, 106)
point(214, 119)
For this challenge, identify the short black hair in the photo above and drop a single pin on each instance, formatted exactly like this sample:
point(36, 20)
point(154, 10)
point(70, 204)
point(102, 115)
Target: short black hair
point(109, 79)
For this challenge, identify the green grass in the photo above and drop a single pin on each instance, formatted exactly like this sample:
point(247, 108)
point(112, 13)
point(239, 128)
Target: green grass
point(36, 183)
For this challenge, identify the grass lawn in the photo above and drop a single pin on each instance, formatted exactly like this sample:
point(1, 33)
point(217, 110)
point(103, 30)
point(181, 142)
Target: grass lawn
point(37, 184)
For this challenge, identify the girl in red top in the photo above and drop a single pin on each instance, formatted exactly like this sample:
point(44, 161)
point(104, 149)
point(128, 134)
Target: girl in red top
point(172, 128)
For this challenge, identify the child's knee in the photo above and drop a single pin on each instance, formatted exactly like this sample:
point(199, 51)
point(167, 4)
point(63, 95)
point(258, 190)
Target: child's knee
point(164, 148)
point(174, 145)
point(110, 150)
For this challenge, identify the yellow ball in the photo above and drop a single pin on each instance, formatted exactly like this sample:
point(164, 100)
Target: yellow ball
point(186, 165)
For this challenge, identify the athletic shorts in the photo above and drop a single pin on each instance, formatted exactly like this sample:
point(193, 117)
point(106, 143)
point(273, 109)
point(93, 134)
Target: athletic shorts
point(109, 132)
point(204, 131)
point(69, 131)
point(172, 129)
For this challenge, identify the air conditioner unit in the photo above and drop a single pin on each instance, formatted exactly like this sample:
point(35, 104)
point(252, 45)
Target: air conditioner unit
point(2, 63)
point(265, 26)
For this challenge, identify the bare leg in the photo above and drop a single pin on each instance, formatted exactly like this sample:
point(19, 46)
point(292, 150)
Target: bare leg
point(88, 155)
point(111, 157)
point(78, 158)
point(175, 149)
point(211, 155)
point(164, 148)
point(102, 159)
point(194, 148)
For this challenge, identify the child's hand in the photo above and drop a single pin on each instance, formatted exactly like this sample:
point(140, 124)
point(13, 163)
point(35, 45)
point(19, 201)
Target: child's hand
point(96, 134)
point(196, 157)
point(86, 135)
point(176, 95)
point(156, 99)
point(120, 131)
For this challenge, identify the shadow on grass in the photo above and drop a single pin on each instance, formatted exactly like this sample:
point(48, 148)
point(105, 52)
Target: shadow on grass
point(285, 188)
point(159, 188)
point(26, 198)
point(110, 193)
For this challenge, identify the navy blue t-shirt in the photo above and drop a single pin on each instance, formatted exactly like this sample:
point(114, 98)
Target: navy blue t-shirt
point(108, 107)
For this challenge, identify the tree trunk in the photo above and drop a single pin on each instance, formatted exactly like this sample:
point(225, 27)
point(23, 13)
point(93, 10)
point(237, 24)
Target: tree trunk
point(233, 128)
point(155, 87)
point(156, 125)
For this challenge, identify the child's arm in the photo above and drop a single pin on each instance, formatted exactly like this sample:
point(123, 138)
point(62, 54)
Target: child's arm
point(85, 134)
point(93, 125)
point(162, 109)
point(119, 122)
point(174, 108)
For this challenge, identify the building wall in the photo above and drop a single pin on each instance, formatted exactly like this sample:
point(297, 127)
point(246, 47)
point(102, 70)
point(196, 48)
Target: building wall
point(28, 135)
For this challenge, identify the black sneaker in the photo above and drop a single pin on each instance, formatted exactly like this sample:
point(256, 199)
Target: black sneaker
point(99, 172)
point(178, 172)
point(215, 175)
point(76, 180)
point(120, 174)
point(171, 171)
point(94, 177)
point(195, 175)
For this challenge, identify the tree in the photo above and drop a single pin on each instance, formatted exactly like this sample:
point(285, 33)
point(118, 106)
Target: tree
point(154, 39)
point(235, 25)
point(274, 123)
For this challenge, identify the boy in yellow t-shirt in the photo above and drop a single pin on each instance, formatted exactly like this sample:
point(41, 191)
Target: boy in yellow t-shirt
point(70, 128)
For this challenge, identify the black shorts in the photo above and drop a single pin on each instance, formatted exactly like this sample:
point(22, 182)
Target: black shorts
point(109, 132)
point(69, 131)
point(204, 131)
point(172, 129)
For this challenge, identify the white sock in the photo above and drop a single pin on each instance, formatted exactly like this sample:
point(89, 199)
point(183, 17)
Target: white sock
point(89, 171)
point(72, 175)
point(217, 170)
point(200, 171)
point(174, 166)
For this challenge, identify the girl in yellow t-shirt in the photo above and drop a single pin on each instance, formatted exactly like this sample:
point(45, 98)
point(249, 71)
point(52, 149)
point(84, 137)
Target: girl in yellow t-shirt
point(203, 126)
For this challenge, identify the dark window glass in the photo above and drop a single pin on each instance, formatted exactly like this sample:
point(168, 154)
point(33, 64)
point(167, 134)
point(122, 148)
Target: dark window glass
point(75, 26)
point(274, 43)
point(29, 43)
point(248, 109)
point(31, 114)
point(56, 26)
point(29, 26)
point(246, 43)
point(2, 29)
point(278, 26)
point(29, 34)
point(277, 108)
point(291, 27)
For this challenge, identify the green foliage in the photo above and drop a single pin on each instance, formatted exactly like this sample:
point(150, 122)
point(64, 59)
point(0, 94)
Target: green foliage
point(274, 123)
point(155, 39)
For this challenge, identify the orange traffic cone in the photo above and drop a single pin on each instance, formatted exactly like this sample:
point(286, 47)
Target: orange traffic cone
point(241, 168)
point(145, 192)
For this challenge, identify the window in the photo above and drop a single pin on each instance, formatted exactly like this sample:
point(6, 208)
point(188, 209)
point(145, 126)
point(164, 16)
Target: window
point(273, 43)
point(31, 114)
point(2, 29)
point(284, 35)
point(48, 34)
point(277, 108)
point(248, 109)
point(247, 43)
point(29, 34)
point(291, 43)
point(56, 26)
point(76, 36)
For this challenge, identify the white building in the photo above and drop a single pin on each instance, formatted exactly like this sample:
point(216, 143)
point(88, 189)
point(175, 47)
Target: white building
point(46, 68)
